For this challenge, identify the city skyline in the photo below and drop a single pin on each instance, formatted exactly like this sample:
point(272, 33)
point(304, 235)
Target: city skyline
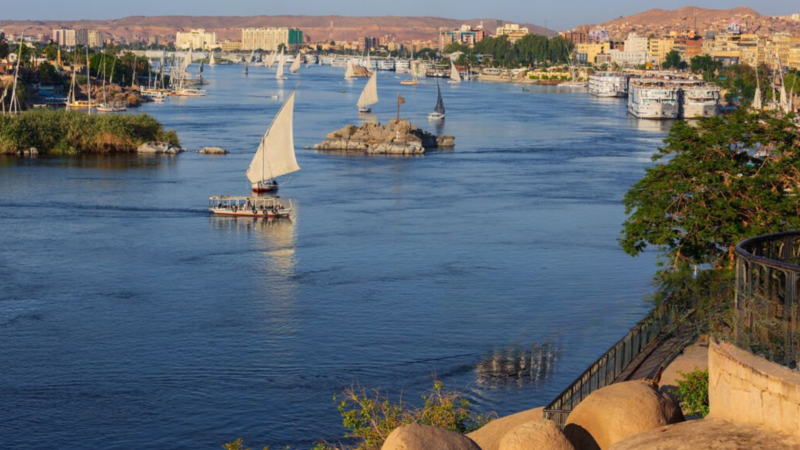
point(553, 16)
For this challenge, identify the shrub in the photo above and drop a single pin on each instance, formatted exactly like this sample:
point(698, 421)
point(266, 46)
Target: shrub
point(693, 392)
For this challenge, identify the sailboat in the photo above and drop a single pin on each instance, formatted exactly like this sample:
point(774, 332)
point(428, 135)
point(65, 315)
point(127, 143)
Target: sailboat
point(279, 71)
point(296, 64)
point(270, 60)
point(414, 80)
point(211, 61)
point(275, 155)
point(349, 74)
point(369, 96)
point(757, 97)
point(438, 110)
point(105, 107)
point(455, 77)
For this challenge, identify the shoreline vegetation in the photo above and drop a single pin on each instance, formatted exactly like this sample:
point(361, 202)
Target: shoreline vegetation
point(72, 132)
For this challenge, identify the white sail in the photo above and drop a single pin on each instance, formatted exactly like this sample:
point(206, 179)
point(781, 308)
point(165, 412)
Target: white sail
point(414, 71)
point(369, 96)
point(296, 64)
point(270, 60)
point(279, 72)
point(350, 73)
point(757, 98)
point(275, 155)
point(187, 60)
point(455, 77)
point(212, 62)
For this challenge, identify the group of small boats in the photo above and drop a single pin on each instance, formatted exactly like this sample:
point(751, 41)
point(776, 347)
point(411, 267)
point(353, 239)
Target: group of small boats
point(369, 97)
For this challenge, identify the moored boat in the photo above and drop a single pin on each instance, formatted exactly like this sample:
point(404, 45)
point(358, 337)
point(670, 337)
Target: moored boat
point(369, 96)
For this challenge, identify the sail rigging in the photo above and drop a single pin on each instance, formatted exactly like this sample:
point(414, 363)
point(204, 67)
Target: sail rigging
point(279, 71)
point(439, 108)
point(369, 96)
point(275, 155)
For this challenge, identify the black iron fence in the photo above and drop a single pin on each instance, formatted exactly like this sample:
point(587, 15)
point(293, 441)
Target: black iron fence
point(608, 368)
point(767, 274)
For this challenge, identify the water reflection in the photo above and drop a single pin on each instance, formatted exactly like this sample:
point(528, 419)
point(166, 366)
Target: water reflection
point(651, 126)
point(518, 365)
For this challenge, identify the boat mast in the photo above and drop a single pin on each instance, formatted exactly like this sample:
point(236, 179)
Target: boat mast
point(88, 81)
point(13, 106)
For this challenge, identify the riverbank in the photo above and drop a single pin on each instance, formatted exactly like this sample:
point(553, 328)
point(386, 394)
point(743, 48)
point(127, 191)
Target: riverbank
point(69, 132)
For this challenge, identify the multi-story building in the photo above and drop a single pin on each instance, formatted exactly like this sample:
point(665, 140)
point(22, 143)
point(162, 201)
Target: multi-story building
point(152, 41)
point(465, 35)
point(71, 38)
point(590, 51)
point(513, 31)
point(794, 53)
point(688, 47)
point(270, 39)
point(230, 46)
point(577, 36)
point(95, 39)
point(658, 49)
point(636, 44)
point(195, 40)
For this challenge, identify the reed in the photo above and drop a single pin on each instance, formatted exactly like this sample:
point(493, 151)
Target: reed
point(56, 132)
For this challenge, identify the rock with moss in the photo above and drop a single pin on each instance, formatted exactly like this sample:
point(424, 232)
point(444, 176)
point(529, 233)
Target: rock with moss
point(159, 148)
point(212, 151)
point(395, 138)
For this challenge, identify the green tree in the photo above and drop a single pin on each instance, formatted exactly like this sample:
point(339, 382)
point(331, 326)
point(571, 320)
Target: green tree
point(51, 51)
point(47, 74)
point(672, 60)
point(720, 181)
point(4, 50)
point(706, 65)
point(456, 47)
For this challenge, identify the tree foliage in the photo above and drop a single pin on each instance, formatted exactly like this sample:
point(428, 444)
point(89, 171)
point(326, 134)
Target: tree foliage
point(673, 61)
point(4, 50)
point(47, 74)
point(720, 181)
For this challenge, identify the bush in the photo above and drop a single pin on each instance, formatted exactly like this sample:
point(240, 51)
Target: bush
point(693, 392)
point(71, 132)
point(371, 417)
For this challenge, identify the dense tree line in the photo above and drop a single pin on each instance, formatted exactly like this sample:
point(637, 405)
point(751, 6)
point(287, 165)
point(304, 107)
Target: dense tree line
point(531, 50)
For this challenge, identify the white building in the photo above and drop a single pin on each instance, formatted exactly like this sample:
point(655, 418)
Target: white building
point(513, 31)
point(264, 38)
point(628, 59)
point(195, 40)
point(95, 39)
point(70, 38)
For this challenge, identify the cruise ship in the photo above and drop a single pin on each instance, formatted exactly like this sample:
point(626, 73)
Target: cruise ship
point(653, 99)
point(608, 84)
point(700, 100)
point(402, 66)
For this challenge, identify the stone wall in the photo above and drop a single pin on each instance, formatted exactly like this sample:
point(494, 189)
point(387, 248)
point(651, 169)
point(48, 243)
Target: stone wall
point(744, 388)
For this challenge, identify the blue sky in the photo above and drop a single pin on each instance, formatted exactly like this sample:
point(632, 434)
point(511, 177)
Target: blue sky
point(557, 14)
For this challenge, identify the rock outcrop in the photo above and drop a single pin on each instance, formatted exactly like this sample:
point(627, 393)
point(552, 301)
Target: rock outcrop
point(212, 151)
point(618, 411)
point(536, 434)
point(394, 138)
point(29, 153)
point(708, 434)
point(159, 148)
point(488, 437)
point(423, 437)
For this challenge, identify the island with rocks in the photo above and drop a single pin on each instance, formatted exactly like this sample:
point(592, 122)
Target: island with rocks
point(398, 137)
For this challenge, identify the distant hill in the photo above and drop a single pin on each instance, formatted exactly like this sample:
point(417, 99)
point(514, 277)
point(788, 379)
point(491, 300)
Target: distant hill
point(661, 21)
point(229, 27)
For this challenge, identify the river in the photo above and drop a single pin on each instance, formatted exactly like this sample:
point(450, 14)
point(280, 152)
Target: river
point(130, 318)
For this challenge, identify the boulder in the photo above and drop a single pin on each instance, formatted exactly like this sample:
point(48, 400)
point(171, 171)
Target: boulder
point(396, 138)
point(212, 151)
point(708, 434)
point(30, 153)
point(159, 148)
point(488, 436)
point(537, 434)
point(618, 411)
point(423, 437)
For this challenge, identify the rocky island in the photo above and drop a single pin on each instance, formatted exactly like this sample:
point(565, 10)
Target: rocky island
point(398, 137)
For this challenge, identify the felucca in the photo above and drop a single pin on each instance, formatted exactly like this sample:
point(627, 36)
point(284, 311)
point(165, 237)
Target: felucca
point(275, 155)
point(438, 110)
point(296, 64)
point(279, 71)
point(455, 77)
point(413, 81)
point(350, 73)
point(369, 96)
point(212, 62)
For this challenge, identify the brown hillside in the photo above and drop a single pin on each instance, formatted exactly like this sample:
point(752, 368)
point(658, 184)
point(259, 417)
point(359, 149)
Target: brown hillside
point(228, 27)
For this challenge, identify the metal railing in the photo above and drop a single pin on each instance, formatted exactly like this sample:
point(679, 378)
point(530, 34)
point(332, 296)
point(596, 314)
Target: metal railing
point(606, 369)
point(767, 274)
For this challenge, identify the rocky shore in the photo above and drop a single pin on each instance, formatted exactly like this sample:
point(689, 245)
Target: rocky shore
point(395, 138)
